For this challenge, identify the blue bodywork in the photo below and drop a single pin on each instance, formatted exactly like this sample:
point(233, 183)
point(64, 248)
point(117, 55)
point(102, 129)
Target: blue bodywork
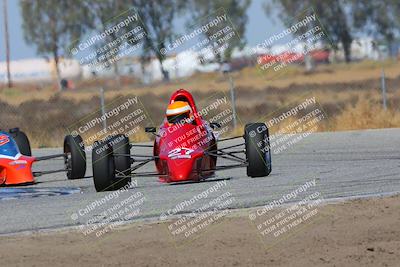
point(8, 147)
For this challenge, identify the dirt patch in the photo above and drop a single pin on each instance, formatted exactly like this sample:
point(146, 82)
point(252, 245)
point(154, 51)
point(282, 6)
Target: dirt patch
point(356, 233)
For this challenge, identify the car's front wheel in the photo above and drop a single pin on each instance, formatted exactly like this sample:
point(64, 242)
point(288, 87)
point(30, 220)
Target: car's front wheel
point(75, 160)
point(104, 167)
point(258, 153)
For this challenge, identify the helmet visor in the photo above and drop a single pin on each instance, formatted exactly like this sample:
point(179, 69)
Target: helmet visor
point(178, 118)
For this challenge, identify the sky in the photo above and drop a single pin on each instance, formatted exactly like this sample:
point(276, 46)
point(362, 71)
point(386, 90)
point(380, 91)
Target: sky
point(258, 28)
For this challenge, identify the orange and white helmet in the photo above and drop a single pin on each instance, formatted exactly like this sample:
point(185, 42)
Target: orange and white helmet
point(179, 111)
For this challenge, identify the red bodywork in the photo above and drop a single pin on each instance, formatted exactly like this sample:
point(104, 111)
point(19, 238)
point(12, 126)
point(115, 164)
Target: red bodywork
point(318, 55)
point(180, 148)
point(16, 171)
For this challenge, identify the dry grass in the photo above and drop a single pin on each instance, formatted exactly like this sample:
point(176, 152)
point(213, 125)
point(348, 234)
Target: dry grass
point(366, 115)
point(251, 77)
point(349, 96)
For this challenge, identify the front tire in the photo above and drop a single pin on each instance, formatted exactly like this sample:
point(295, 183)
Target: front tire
point(76, 157)
point(120, 145)
point(258, 151)
point(104, 167)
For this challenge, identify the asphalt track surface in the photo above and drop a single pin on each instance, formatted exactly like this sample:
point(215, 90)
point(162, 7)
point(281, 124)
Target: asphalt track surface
point(344, 164)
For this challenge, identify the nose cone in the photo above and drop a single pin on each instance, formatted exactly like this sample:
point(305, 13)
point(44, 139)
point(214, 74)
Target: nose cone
point(180, 170)
point(19, 171)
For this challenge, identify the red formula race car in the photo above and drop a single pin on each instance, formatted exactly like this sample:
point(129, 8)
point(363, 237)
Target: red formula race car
point(186, 148)
point(16, 158)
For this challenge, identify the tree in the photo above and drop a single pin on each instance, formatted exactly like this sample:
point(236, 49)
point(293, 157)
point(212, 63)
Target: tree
point(379, 18)
point(103, 15)
point(158, 17)
point(51, 25)
point(236, 11)
point(331, 14)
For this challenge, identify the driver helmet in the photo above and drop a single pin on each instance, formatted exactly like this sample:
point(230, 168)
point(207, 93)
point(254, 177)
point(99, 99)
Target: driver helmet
point(179, 112)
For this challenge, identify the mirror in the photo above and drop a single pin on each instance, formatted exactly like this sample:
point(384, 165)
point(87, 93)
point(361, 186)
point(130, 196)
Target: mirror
point(150, 129)
point(215, 125)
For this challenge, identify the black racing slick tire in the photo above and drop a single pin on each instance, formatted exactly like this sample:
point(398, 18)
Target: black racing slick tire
point(22, 141)
point(104, 167)
point(75, 159)
point(258, 153)
point(121, 152)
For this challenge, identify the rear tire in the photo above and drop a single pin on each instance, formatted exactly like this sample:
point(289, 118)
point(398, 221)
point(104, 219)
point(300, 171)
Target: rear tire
point(22, 141)
point(258, 151)
point(76, 163)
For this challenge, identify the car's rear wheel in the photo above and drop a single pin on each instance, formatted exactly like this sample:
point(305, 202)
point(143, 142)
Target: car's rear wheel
point(75, 160)
point(258, 153)
point(22, 141)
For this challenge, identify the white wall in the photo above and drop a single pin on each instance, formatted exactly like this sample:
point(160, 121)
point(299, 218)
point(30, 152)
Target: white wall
point(28, 70)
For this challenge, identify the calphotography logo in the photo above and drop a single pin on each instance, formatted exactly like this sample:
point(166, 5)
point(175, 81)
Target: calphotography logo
point(203, 211)
point(107, 213)
point(293, 210)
